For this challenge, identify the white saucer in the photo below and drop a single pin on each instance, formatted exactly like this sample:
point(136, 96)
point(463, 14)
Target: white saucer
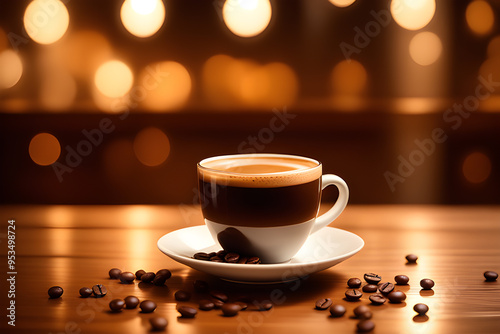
point(322, 250)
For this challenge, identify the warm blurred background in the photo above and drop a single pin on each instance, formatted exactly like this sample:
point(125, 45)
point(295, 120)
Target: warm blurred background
point(107, 102)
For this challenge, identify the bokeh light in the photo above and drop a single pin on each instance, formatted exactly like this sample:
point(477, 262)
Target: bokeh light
point(142, 18)
point(349, 77)
point(11, 69)
point(480, 17)
point(476, 167)
point(163, 86)
point(46, 21)
point(342, 3)
point(494, 47)
point(214, 74)
point(413, 14)
point(247, 18)
point(44, 149)
point(4, 42)
point(58, 90)
point(425, 48)
point(114, 79)
point(491, 67)
point(151, 146)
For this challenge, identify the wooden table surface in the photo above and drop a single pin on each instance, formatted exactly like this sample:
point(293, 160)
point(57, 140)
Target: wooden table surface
point(75, 246)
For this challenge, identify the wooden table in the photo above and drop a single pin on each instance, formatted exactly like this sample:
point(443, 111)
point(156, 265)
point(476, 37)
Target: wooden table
point(75, 246)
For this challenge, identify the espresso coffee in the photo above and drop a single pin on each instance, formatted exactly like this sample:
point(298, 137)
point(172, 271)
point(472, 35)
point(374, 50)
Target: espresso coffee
point(260, 191)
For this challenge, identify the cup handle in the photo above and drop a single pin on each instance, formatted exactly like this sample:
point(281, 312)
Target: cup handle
point(338, 207)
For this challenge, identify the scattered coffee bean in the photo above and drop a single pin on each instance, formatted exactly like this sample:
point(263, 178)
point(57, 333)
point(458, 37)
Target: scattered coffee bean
point(148, 277)
point(411, 258)
point(377, 299)
point(490, 276)
point(114, 273)
point(182, 295)
point(337, 310)
point(386, 287)
point(359, 310)
point(139, 273)
point(116, 305)
point(85, 292)
point(164, 272)
point(264, 306)
point(426, 283)
point(217, 302)
point(323, 304)
point(127, 277)
point(401, 279)
point(253, 260)
point(354, 283)
point(216, 259)
point(206, 305)
point(202, 256)
point(396, 296)
point(147, 306)
point(232, 257)
point(242, 305)
point(200, 286)
point(131, 302)
point(370, 288)
point(353, 294)
point(55, 292)
point(230, 309)
point(420, 308)
point(219, 295)
point(159, 280)
point(186, 311)
point(365, 326)
point(372, 278)
point(222, 253)
point(158, 323)
point(99, 290)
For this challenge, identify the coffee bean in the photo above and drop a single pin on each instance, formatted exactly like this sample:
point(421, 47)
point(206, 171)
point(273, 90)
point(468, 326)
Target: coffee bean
point(232, 257)
point(354, 283)
point(216, 259)
point(202, 256)
point(186, 311)
point(396, 296)
point(386, 287)
point(353, 294)
point(490, 276)
point(264, 306)
point(182, 295)
point(420, 308)
point(337, 310)
point(116, 305)
point(158, 323)
point(139, 273)
point(370, 288)
point(99, 290)
point(411, 258)
point(360, 310)
point(55, 292)
point(200, 286)
point(114, 273)
point(242, 305)
point(206, 305)
point(127, 277)
point(147, 306)
point(148, 277)
point(221, 254)
point(85, 292)
point(159, 280)
point(401, 279)
point(426, 283)
point(164, 272)
point(377, 299)
point(230, 309)
point(365, 326)
point(131, 302)
point(253, 260)
point(212, 254)
point(323, 304)
point(217, 302)
point(372, 278)
point(243, 260)
point(219, 295)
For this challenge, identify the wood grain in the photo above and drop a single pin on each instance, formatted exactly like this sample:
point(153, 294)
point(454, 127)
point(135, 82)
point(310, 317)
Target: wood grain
point(75, 246)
